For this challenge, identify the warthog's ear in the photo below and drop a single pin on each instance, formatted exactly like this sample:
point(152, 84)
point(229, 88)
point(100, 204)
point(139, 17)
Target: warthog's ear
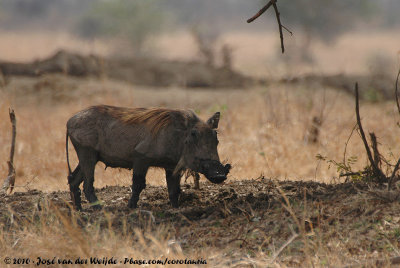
point(214, 120)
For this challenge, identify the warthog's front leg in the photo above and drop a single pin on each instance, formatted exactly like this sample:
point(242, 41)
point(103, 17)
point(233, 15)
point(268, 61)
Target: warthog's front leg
point(174, 187)
point(138, 184)
point(196, 179)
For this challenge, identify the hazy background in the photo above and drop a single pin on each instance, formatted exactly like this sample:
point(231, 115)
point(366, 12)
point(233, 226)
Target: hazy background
point(326, 32)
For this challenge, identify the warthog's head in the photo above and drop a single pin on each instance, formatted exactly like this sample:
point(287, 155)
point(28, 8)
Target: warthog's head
point(200, 152)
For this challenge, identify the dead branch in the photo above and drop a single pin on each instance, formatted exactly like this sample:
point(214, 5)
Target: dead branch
point(10, 180)
point(277, 14)
point(376, 171)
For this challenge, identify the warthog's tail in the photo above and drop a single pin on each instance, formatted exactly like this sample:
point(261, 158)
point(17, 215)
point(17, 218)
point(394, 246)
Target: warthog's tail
point(66, 149)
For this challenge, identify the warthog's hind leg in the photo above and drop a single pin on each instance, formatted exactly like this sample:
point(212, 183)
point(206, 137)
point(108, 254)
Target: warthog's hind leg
point(74, 180)
point(87, 161)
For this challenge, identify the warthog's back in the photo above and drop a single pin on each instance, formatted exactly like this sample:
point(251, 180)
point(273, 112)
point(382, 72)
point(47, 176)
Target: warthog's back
point(120, 134)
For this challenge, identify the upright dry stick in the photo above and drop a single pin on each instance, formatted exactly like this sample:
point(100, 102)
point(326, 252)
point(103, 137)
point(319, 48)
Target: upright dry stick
point(396, 91)
point(10, 180)
point(375, 169)
point(396, 167)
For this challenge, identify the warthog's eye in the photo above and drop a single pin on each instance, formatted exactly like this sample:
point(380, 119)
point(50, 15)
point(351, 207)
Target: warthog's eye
point(194, 134)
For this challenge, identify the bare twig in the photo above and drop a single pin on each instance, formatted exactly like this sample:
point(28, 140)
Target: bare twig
point(287, 30)
point(377, 155)
point(353, 173)
point(277, 14)
point(392, 177)
point(10, 180)
point(291, 239)
point(262, 10)
point(377, 263)
point(237, 235)
point(377, 172)
point(278, 19)
point(347, 142)
point(26, 185)
point(299, 224)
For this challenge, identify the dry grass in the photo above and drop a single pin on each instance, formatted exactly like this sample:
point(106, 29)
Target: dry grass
point(49, 233)
point(262, 130)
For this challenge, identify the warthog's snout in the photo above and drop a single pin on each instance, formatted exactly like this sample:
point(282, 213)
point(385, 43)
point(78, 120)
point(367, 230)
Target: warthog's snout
point(215, 171)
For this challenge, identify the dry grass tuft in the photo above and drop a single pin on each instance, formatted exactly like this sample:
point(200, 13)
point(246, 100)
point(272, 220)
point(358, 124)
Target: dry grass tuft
point(50, 233)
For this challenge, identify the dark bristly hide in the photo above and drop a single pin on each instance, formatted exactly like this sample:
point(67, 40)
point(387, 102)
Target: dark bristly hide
point(139, 138)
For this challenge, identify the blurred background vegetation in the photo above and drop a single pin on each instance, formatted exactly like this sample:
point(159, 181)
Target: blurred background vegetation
point(129, 28)
point(138, 20)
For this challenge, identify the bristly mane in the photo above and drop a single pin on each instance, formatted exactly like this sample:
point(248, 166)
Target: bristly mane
point(154, 118)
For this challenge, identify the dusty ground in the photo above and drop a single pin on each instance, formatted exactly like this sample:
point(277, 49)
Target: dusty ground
point(243, 219)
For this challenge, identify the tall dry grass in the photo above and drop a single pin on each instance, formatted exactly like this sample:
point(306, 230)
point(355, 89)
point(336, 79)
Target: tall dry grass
point(262, 130)
point(50, 233)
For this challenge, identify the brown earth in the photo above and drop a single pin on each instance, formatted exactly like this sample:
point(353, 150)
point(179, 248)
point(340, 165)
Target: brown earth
point(242, 216)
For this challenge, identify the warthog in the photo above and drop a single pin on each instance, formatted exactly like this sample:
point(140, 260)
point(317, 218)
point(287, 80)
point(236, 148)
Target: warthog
point(139, 138)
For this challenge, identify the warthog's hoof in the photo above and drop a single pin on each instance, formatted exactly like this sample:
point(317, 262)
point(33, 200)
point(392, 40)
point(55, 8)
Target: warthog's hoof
point(132, 204)
point(96, 205)
point(175, 205)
